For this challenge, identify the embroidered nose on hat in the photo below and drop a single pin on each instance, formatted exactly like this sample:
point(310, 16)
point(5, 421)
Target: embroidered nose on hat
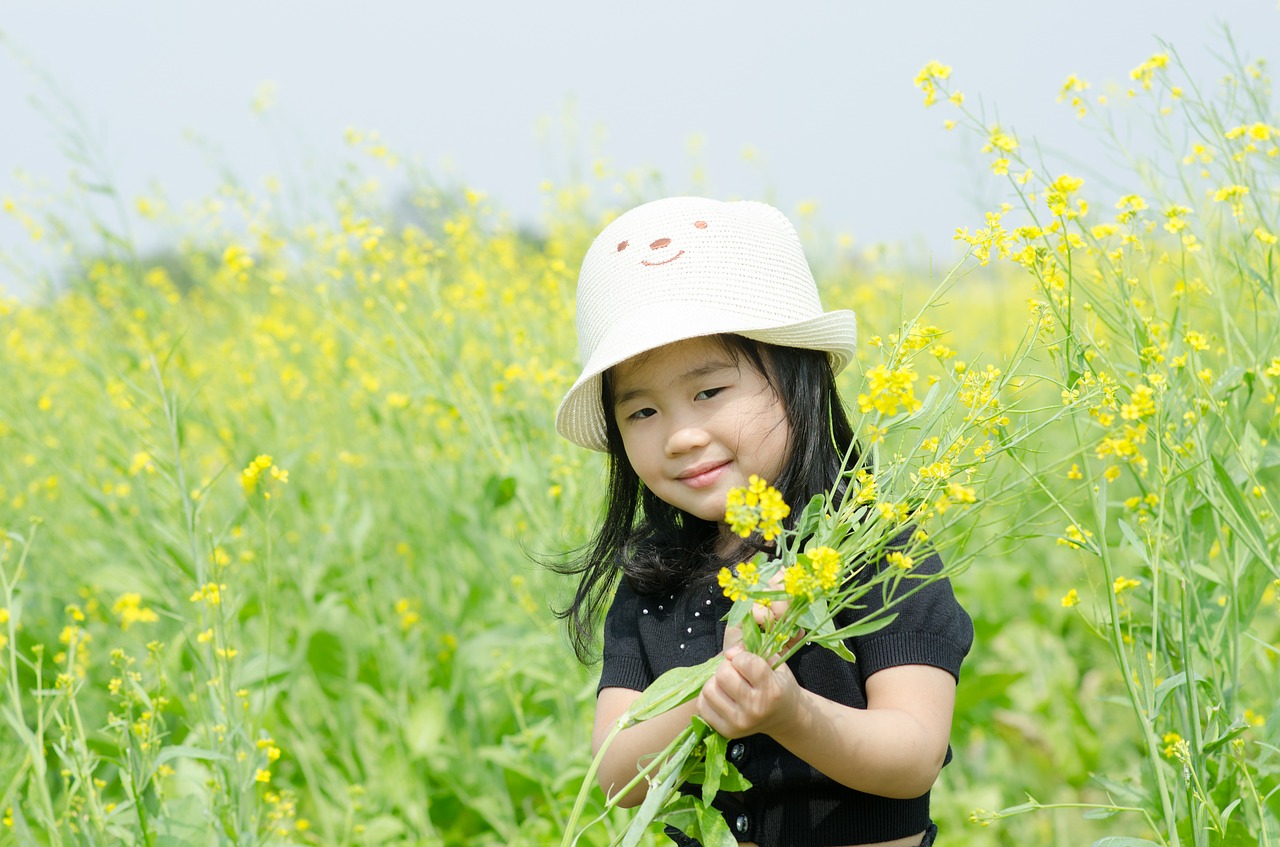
point(686, 267)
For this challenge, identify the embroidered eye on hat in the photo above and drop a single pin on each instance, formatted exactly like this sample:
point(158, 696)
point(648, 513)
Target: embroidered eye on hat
point(686, 267)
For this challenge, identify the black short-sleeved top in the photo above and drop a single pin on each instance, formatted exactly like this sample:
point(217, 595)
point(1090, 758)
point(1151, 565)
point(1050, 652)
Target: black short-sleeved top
point(790, 802)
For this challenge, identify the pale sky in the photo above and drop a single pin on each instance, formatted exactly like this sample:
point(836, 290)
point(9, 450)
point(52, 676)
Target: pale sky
point(822, 91)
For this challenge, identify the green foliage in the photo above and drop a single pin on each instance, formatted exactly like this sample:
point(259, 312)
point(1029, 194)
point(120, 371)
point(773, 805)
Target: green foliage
point(367, 656)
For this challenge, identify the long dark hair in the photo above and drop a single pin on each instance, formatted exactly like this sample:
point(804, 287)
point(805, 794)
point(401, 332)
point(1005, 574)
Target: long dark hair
point(659, 548)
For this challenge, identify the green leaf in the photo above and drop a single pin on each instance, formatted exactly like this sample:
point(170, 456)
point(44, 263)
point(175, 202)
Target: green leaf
point(499, 491)
point(1165, 688)
point(1245, 523)
point(715, 832)
point(715, 764)
point(1123, 841)
point(184, 752)
point(860, 628)
point(676, 686)
point(660, 790)
point(811, 516)
point(732, 779)
point(1237, 728)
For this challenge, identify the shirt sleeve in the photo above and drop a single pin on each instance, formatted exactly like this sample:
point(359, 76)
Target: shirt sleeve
point(624, 664)
point(931, 628)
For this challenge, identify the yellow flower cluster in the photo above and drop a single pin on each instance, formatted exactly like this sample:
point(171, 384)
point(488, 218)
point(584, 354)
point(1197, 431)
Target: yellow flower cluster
point(258, 470)
point(813, 573)
point(900, 560)
point(210, 593)
point(1145, 72)
point(1123, 584)
point(928, 78)
point(736, 586)
point(130, 610)
point(1074, 536)
point(887, 389)
point(758, 507)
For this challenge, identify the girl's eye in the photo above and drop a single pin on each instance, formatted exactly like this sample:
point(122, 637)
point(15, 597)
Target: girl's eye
point(640, 414)
point(707, 394)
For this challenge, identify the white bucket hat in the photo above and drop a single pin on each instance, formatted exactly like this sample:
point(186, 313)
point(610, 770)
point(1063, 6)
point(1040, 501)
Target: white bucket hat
point(686, 267)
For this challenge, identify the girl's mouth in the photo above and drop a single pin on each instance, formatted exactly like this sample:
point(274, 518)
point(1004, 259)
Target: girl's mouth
point(701, 477)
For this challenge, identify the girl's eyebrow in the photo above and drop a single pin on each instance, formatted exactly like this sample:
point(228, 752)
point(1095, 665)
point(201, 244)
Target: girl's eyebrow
point(700, 372)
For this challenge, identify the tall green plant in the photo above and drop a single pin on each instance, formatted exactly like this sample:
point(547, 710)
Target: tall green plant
point(1166, 298)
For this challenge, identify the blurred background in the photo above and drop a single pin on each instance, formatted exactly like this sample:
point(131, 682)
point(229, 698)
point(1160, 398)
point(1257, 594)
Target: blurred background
point(800, 103)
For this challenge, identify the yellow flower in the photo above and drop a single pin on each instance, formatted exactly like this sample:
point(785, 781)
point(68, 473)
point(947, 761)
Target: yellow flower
point(1074, 536)
point(900, 560)
point(1071, 598)
point(866, 482)
point(1124, 583)
point(826, 566)
point(1142, 404)
point(209, 593)
point(756, 507)
point(1143, 73)
point(1000, 140)
point(130, 610)
point(736, 586)
point(928, 76)
point(888, 389)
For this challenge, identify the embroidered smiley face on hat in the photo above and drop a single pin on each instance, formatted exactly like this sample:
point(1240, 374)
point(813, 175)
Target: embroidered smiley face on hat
point(661, 250)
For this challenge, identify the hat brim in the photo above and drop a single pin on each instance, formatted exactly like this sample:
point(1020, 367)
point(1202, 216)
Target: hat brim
point(580, 418)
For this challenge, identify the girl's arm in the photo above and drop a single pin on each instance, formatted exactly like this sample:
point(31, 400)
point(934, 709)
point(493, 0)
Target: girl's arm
point(894, 748)
point(623, 759)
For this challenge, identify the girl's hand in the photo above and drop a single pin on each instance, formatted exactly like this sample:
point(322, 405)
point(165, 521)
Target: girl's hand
point(747, 695)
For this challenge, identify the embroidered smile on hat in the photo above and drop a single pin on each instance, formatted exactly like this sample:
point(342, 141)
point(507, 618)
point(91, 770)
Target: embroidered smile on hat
point(686, 267)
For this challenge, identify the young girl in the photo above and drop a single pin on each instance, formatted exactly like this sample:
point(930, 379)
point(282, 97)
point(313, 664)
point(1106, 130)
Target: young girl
point(708, 358)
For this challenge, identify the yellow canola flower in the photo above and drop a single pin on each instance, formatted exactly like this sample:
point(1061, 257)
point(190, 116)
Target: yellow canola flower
point(759, 506)
point(209, 593)
point(926, 80)
point(900, 560)
point(1123, 583)
point(1144, 72)
point(888, 389)
point(812, 574)
point(1142, 404)
point(1071, 598)
point(258, 470)
point(999, 140)
point(1074, 536)
point(736, 586)
point(130, 610)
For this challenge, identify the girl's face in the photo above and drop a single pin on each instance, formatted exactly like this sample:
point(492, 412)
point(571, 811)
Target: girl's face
point(696, 423)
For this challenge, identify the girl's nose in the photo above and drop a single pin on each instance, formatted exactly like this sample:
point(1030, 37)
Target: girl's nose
point(685, 437)
point(660, 243)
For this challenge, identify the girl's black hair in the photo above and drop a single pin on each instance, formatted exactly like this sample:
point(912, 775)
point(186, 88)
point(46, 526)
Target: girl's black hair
point(660, 548)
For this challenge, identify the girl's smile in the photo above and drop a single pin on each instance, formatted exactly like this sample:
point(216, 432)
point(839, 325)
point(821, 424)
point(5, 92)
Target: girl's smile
point(697, 422)
point(703, 475)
